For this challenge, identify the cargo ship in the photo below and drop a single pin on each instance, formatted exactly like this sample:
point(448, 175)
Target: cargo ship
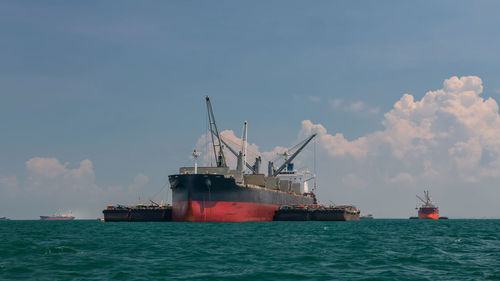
point(220, 194)
point(138, 213)
point(427, 210)
point(58, 217)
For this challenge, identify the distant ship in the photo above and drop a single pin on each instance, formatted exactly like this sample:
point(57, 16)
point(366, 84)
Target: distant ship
point(58, 217)
point(366, 217)
point(4, 219)
point(427, 210)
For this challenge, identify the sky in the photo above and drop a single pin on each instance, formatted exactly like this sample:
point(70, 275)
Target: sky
point(101, 100)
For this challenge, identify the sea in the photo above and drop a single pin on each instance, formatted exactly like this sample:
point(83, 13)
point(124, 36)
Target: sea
point(378, 249)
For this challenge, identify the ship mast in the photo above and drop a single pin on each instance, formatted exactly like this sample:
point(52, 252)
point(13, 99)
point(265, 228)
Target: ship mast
point(218, 149)
point(236, 154)
point(244, 143)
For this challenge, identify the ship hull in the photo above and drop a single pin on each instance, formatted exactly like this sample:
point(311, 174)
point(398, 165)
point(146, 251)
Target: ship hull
point(428, 213)
point(214, 198)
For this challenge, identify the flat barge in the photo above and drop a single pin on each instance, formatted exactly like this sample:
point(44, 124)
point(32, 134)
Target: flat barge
point(137, 213)
point(317, 213)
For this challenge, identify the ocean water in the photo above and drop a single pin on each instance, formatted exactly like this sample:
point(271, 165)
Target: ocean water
point(364, 250)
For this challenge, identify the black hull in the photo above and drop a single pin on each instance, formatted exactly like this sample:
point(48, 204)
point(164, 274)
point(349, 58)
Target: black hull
point(218, 188)
point(205, 197)
point(137, 215)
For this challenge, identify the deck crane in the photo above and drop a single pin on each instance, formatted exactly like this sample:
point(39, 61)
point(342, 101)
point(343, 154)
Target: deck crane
point(218, 149)
point(427, 200)
point(289, 160)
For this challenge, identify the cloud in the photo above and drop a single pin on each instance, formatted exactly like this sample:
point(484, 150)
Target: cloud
point(140, 181)
point(354, 107)
point(43, 171)
point(335, 103)
point(45, 167)
point(335, 145)
point(9, 182)
point(401, 178)
point(353, 180)
point(314, 99)
point(360, 106)
point(49, 186)
point(373, 110)
point(453, 127)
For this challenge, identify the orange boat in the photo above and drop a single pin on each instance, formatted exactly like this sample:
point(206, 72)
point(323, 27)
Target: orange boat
point(427, 210)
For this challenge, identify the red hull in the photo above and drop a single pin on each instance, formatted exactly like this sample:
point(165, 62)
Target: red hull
point(212, 211)
point(428, 213)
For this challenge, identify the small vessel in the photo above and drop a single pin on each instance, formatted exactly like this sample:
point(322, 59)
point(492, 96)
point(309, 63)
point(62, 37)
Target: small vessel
point(366, 217)
point(427, 210)
point(58, 217)
point(4, 219)
point(138, 213)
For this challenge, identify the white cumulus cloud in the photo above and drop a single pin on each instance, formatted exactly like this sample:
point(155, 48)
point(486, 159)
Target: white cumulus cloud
point(453, 127)
point(50, 185)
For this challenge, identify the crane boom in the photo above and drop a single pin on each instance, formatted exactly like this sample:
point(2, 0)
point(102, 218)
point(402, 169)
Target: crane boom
point(293, 155)
point(425, 202)
point(219, 155)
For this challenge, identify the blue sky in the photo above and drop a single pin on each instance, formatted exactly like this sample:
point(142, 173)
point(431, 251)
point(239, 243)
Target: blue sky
point(121, 83)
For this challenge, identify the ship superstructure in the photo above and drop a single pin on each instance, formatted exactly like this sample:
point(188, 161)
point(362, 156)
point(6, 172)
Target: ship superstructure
point(427, 210)
point(218, 193)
